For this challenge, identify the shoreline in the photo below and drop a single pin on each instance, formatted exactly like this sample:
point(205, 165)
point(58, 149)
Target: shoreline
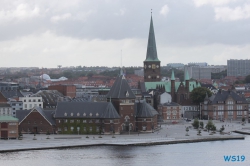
point(133, 143)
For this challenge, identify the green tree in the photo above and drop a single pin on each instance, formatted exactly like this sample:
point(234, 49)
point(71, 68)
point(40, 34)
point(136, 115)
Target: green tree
point(201, 125)
point(209, 125)
point(198, 94)
point(199, 132)
point(247, 79)
point(219, 75)
point(90, 74)
point(222, 129)
point(187, 131)
point(196, 123)
point(213, 128)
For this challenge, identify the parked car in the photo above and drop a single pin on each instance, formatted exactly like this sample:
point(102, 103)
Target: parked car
point(188, 120)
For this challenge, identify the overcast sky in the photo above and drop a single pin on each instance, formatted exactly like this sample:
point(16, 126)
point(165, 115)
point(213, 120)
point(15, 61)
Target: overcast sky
point(46, 33)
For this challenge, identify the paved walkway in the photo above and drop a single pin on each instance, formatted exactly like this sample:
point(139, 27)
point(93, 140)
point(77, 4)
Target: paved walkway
point(167, 134)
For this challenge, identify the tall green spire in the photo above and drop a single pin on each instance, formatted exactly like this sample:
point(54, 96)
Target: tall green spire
point(172, 76)
point(151, 49)
point(186, 75)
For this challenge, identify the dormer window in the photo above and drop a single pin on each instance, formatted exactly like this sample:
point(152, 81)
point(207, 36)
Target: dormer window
point(90, 114)
point(71, 114)
point(78, 114)
point(127, 94)
point(65, 114)
point(97, 114)
point(84, 114)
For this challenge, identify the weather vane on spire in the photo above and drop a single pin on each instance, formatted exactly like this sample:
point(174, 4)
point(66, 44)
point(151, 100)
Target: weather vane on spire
point(151, 12)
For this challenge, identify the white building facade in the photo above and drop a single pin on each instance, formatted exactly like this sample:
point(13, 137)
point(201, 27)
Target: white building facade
point(30, 102)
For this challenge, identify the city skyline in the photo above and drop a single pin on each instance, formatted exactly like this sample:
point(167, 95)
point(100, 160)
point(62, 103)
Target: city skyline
point(47, 34)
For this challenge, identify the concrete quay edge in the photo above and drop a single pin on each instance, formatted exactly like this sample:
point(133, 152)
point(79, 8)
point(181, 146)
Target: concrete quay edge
point(242, 132)
point(148, 143)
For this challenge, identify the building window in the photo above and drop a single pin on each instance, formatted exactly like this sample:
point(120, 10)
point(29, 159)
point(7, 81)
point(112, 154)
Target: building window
point(72, 128)
point(77, 121)
point(97, 121)
point(12, 132)
point(66, 120)
point(71, 121)
point(230, 112)
point(239, 113)
point(90, 128)
point(59, 129)
point(96, 114)
point(41, 122)
point(84, 121)
point(221, 107)
point(71, 114)
point(121, 108)
point(239, 107)
point(111, 121)
point(84, 114)
point(90, 121)
point(220, 112)
point(34, 122)
point(65, 129)
point(90, 114)
point(84, 128)
point(97, 129)
point(28, 122)
point(65, 114)
point(59, 121)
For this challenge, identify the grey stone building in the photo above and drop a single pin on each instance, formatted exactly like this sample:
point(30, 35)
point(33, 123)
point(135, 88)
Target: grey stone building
point(236, 67)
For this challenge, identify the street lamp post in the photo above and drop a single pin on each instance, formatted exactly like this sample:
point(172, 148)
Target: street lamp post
point(200, 110)
point(129, 128)
point(78, 129)
point(214, 113)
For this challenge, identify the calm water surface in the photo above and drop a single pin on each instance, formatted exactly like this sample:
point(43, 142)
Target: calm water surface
point(205, 153)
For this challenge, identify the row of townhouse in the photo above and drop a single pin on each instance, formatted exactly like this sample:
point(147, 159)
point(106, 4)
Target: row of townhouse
point(225, 105)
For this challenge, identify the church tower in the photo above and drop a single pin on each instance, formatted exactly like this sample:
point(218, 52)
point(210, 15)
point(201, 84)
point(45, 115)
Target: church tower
point(152, 65)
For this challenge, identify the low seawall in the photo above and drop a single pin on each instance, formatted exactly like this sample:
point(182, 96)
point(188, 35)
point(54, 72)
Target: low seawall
point(242, 132)
point(119, 142)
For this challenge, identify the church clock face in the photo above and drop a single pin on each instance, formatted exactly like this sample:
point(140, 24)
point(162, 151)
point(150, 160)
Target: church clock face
point(149, 66)
point(157, 66)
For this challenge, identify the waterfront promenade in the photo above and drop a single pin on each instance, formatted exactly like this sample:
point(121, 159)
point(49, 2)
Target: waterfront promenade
point(168, 134)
